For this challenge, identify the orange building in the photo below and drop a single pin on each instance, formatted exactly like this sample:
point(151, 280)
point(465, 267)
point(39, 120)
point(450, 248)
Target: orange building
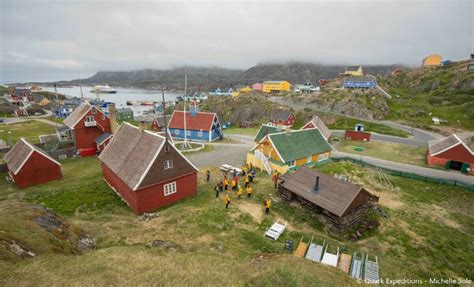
point(432, 61)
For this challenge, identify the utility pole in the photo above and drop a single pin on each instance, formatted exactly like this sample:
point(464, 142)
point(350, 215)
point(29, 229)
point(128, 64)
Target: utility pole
point(164, 113)
point(80, 87)
point(56, 92)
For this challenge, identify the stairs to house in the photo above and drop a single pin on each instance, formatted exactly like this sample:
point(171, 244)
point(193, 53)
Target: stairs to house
point(263, 159)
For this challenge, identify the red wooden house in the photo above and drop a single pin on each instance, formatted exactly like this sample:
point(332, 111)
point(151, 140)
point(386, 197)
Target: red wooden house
point(158, 124)
point(283, 118)
point(146, 170)
point(316, 122)
point(86, 125)
point(358, 134)
point(451, 152)
point(29, 165)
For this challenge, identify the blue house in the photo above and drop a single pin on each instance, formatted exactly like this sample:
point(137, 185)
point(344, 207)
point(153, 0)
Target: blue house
point(359, 82)
point(200, 126)
point(223, 92)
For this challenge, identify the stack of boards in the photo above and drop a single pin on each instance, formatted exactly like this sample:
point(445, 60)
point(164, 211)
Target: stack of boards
point(357, 266)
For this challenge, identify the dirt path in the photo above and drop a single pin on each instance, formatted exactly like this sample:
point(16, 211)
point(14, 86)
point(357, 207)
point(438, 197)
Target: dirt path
point(255, 210)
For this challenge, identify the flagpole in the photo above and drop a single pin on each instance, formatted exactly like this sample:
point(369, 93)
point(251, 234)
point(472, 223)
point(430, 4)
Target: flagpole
point(185, 143)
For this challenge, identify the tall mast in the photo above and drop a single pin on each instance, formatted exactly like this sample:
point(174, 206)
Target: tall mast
point(164, 113)
point(80, 86)
point(185, 143)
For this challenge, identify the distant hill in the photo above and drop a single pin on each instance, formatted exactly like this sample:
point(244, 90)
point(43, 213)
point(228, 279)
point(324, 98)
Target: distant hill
point(446, 92)
point(213, 77)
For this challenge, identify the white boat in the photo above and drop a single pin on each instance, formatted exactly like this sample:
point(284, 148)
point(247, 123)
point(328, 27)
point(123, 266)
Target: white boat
point(103, 89)
point(275, 230)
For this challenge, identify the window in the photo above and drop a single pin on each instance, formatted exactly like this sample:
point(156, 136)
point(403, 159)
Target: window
point(90, 119)
point(291, 163)
point(200, 134)
point(323, 156)
point(170, 188)
point(167, 148)
point(94, 111)
point(188, 133)
point(309, 159)
point(168, 164)
point(176, 132)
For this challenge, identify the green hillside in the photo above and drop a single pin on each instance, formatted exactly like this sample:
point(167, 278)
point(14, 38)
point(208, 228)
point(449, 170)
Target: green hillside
point(446, 92)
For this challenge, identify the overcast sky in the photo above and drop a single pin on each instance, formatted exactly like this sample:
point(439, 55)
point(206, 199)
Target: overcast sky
point(55, 40)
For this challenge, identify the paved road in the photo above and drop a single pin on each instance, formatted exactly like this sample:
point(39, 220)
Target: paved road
point(422, 171)
point(413, 141)
point(419, 136)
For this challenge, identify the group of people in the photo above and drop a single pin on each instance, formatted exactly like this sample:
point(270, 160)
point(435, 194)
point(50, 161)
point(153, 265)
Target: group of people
point(232, 182)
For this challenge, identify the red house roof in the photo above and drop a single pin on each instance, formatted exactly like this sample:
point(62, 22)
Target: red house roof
point(20, 153)
point(436, 147)
point(201, 121)
point(132, 153)
point(73, 119)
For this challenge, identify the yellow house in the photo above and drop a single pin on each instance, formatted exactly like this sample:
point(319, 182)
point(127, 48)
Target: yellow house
point(286, 151)
point(355, 71)
point(235, 94)
point(432, 60)
point(246, 89)
point(276, 86)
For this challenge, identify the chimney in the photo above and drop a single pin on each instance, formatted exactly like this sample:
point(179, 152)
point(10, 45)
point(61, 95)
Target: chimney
point(316, 187)
point(113, 118)
point(142, 125)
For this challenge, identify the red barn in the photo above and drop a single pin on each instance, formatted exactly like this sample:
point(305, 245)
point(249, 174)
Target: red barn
point(451, 152)
point(86, 125)
point(316, 122)
point(29, 165)
point(283, 118)
point(146, 170)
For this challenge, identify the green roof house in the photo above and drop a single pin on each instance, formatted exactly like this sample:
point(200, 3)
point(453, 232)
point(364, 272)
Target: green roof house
point(266, 130)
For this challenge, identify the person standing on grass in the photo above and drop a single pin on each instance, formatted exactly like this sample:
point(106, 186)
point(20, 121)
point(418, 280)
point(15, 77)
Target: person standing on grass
point(268, 203)
point(249, 191)
point(227, 201)
point(234, 185)
point(239, 191)
point(208, 175)
point(244, 170)
point(221, 186)
point(252, 175)
point(226, 183)
point(217, 189)
point(247, 180)
point(275, 178)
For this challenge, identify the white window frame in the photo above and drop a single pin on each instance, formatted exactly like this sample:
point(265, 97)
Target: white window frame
point(176, 132)
point(168, 164)
point(169, 188)
point(188, 133)
point(323, 156)
point(199, 134)
point(88, 119)
point(310, 158)
point(292, 163)
point(94, 110)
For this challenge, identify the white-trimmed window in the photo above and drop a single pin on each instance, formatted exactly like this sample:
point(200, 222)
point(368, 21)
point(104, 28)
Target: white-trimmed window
point(90, 119)
point(199, 134)
point(94, 111)
point(168, 164)
point(291, 163)
point(169, 188)
point(309, 158)
point(188, 132)
point(323, 156)
point(176, 132)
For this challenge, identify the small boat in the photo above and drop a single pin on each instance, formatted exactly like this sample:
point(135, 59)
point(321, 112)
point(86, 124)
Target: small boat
point(147, 103)
point(132, 103)
point(103, 89)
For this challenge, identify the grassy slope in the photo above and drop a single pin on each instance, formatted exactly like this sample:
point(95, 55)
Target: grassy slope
point(344, 123)
point(446, 92)
point(389, 151)
point(29, 130)
point(427, 234)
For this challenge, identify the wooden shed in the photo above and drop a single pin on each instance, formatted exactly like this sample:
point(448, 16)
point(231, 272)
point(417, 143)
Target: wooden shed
point(29, 165)
point(146, 170)
point(340, 203)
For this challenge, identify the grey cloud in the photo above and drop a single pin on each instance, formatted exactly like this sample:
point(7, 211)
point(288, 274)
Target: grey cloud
point(53, 40)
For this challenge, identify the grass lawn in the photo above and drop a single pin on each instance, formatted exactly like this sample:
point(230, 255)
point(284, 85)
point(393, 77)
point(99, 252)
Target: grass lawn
point(242, 131)
point(388, 151)
point(428, 233)
point(193, 145)
point(344, 123)
point(30, 130)
point(56, 120)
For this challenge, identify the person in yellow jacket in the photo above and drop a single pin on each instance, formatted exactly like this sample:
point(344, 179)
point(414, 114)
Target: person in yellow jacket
point(227, 201)
point(249, 191)
point(226, 183)
point(239, 191)
point(234, 185)
point(244, 170)
point(247, 180)
point(268, 203)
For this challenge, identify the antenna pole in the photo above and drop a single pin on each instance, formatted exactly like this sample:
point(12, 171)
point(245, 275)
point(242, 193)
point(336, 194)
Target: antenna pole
point(164, 113)
point(185, 142)
point(80, 86)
